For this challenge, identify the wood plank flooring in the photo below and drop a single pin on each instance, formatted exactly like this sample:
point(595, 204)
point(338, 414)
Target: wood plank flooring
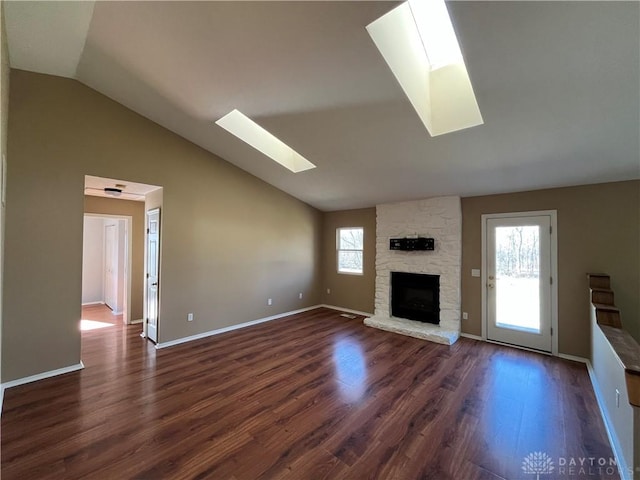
point(310, 396)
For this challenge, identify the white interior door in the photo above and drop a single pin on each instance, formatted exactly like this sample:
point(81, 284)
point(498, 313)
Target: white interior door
point(518, 280)
point(110, 266)
point(153, 259)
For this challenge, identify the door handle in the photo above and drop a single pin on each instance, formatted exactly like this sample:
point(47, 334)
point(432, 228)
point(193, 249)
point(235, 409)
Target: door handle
point(490, 285)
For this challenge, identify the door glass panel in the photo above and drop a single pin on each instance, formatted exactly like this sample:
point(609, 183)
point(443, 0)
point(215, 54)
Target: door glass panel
point(517, 281)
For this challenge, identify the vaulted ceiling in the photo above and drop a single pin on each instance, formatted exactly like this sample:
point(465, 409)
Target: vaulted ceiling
point(557, 83)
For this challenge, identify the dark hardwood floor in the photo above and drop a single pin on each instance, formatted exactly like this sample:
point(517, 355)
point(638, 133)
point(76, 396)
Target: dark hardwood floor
point(310, 396)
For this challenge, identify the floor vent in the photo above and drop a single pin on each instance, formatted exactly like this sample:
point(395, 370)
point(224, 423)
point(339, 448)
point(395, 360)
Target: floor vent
point(348, 315)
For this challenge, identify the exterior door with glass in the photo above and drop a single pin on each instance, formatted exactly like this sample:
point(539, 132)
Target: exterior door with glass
point(518, 279)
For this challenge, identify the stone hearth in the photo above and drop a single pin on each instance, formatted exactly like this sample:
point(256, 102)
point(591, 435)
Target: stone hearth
point(413, 328)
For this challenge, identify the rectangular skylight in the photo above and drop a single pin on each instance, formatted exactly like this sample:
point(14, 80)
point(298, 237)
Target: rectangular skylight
point(419, 44)
point(250, 132)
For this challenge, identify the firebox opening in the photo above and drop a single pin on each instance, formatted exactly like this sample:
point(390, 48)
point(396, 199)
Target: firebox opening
point(415, 296)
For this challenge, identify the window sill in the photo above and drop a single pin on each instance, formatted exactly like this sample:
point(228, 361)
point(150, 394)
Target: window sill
point(358, 274)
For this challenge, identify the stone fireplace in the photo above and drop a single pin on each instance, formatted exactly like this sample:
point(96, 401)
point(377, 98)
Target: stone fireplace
point(427, 314)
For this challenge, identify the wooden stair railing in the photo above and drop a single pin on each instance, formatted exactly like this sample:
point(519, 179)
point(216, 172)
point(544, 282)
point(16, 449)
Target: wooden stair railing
point(609, 321)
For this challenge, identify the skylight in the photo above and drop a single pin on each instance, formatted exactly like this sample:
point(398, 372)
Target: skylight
point(419, 44)
point(250, 132)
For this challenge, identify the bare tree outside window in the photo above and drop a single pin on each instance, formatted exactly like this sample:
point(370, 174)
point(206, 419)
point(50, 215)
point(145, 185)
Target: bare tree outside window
point(350, 246)
point(518, 252)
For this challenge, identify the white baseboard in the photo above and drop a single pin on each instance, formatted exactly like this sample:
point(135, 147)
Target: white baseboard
point(89, 304)
point(575, 359)
point(625, 472)
point(134, 322)
point(347, 310)
point(43, 375)
point(472, 336)
point(38, 376)
point(230, 328)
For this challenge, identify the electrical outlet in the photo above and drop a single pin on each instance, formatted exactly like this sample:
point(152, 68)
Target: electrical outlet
point(300, 295)
point(328, 291)
point(465, 316)
point(617, 398)
point(269, 301)
point(189, 317)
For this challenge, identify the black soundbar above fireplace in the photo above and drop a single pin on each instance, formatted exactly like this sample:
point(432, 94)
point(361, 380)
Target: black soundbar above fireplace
point(410, 244)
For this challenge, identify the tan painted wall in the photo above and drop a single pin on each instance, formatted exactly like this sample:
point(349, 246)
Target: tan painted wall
point(355, 292)
point(4, 120)
point(598, 231)
point(229, 240)
point(135, 210)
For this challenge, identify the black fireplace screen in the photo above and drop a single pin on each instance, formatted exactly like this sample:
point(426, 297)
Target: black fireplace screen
point(415, 296)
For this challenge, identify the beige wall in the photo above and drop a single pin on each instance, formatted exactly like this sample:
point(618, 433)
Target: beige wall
point(229, 240)
point(4, 119)
point(135, 210)
point(355, 292)
point(598, 231)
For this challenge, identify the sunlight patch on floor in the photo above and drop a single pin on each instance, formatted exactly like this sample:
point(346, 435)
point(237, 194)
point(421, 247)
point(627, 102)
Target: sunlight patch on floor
point(93, 325)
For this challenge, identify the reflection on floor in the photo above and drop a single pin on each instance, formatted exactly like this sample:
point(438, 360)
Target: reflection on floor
point(104, 335)
point(100, 313)
point(310, 396)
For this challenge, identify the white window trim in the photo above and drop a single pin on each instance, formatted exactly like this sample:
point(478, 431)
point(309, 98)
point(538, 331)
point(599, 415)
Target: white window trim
point(338, 250)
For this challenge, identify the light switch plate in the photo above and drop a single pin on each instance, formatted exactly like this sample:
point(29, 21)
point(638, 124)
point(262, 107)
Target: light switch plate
point(475, 272)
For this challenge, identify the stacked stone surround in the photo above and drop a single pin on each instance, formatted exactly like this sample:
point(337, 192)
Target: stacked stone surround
point(439, 218)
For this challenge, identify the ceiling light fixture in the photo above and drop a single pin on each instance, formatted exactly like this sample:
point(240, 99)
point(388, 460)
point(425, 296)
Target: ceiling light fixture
point(116, 192)
point(419, 44)
point(250, 132)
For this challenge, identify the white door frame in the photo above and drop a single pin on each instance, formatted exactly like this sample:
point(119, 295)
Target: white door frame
point(126, 314)
point(110, 273)
point(145, 332)
point(554, 270)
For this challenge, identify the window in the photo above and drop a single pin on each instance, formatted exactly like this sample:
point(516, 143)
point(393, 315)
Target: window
point(350, 243)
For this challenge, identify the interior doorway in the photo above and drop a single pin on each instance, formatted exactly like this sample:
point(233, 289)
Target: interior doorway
point(520, 279)
point(130, 201)
point(106, 263)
